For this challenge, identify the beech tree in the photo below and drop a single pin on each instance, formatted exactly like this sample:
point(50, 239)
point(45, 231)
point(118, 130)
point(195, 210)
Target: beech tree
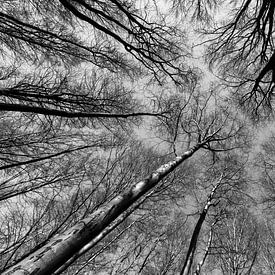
point(63, 83)
point(220, 129)
point(56, 206)
point(118, 154)
point(222, 185)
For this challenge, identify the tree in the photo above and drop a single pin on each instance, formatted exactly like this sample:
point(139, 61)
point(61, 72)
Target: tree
point(266, 163)
point(221, 185)
point(79, 79)
point(235, 245)
point(50, 75)
point(240, 48)
point(194, 239)
point(266, 257)
point(84, 231)
point(42, 261)
point(59, 204)
point(62, 110)
point(244, 47)
point(115, 22)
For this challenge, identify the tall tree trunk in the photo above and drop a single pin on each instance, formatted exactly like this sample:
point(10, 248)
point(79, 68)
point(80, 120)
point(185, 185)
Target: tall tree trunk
point(193, 243)
point(100, 236)
point(62, 247)
point(201, 263)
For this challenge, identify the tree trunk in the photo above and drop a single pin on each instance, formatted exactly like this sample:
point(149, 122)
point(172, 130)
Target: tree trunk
point(201, 263)
point(193, 243)
point(62, 247)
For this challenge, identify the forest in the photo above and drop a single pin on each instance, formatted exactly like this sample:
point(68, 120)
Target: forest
point(137, 137)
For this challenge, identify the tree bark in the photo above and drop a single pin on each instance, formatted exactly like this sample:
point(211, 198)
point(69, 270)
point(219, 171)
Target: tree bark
point(62, 247)
point(102, 235)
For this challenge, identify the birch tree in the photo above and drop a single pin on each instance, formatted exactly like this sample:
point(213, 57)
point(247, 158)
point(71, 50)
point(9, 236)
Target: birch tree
point(57, 251)
point(220, 186)
point(189, 258)
point(235, 247)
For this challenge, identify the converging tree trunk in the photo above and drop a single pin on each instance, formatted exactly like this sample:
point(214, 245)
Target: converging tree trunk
point(201, 263)
point(193, 243)
point(62, 247)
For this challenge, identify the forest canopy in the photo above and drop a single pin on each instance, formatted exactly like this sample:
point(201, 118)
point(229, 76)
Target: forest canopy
point(137, 137)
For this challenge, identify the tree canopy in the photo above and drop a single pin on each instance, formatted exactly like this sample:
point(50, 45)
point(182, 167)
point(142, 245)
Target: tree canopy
point(137, 137)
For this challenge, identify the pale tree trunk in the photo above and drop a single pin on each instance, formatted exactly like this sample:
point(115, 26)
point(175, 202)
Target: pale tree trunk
point(201, 263)
point(64, 246)
point(193, 243)
point(101, 236)
point(92, 257)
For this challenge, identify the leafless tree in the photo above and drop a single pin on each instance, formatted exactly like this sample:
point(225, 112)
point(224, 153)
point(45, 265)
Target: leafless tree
point(235, 245)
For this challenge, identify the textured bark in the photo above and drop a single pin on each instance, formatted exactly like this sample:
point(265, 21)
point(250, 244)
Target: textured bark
point(62, 247)
point(100, 236)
